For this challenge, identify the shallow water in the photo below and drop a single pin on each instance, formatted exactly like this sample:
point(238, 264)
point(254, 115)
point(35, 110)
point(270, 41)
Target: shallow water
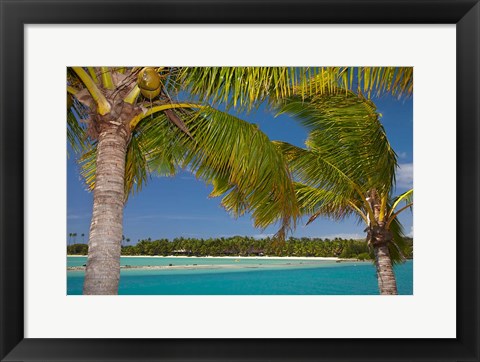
point(253, 276)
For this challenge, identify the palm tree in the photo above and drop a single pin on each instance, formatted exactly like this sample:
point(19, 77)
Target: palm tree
point(135, 125)
point(348, 167)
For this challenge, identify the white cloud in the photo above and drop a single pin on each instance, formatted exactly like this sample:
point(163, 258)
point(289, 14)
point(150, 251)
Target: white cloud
point(405, 175)
point(402, 155)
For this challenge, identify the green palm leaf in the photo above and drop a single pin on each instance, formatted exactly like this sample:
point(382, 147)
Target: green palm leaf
point(319, 172)
point(244, 87)
point(398, 245)
point(397, 81)
point(320, 202)
point(88, 166)
point(242, 163)
point(346, 132)
point(163, 144)
point(76, 131)
point(370, 81)
point(407, 197)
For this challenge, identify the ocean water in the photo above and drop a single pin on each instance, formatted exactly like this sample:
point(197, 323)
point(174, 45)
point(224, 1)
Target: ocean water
point(253, 276)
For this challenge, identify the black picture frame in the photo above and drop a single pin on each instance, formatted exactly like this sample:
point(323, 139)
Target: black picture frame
point(15, 14)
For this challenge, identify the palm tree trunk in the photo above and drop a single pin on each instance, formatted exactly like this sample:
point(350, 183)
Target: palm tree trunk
point(380, 237)
point(103, 264)
point(385, 276)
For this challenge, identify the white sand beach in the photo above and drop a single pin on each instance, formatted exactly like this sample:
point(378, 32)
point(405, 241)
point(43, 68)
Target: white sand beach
point(228, 257)
point(252, 262)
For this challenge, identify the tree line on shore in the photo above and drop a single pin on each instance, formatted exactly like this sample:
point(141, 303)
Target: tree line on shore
point(249, 246)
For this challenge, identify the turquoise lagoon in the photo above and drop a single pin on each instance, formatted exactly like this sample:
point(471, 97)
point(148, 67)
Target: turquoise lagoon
point(244, 276)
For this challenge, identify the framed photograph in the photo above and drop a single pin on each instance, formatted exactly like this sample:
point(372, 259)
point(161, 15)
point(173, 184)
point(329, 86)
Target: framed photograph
point(91, 54)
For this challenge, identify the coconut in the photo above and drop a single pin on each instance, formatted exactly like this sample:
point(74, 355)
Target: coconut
point(149, 80)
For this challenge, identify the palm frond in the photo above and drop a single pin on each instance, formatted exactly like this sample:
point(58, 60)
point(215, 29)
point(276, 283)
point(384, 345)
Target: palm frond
point(346, 132)
point(241, 162)
point(398, 245)
point(318, 202)
point(76, 131)
point(163, 144)
point(136, 169)
point(393, 213)
point(244, 87)
point(407, 197)
point(319, 172)
point(88, 166)
point(103, 106)
point(234, 200)
point(320, 81)
point(397, 81)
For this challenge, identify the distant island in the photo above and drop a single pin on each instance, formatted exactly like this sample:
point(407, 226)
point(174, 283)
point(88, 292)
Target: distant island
point(249, 246)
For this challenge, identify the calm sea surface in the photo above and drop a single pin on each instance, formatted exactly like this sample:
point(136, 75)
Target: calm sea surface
point(256, 276)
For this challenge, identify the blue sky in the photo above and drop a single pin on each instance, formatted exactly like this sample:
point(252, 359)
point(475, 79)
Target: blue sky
point(170, 207)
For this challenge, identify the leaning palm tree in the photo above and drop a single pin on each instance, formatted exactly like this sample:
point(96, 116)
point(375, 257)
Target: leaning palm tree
point(348, 168)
